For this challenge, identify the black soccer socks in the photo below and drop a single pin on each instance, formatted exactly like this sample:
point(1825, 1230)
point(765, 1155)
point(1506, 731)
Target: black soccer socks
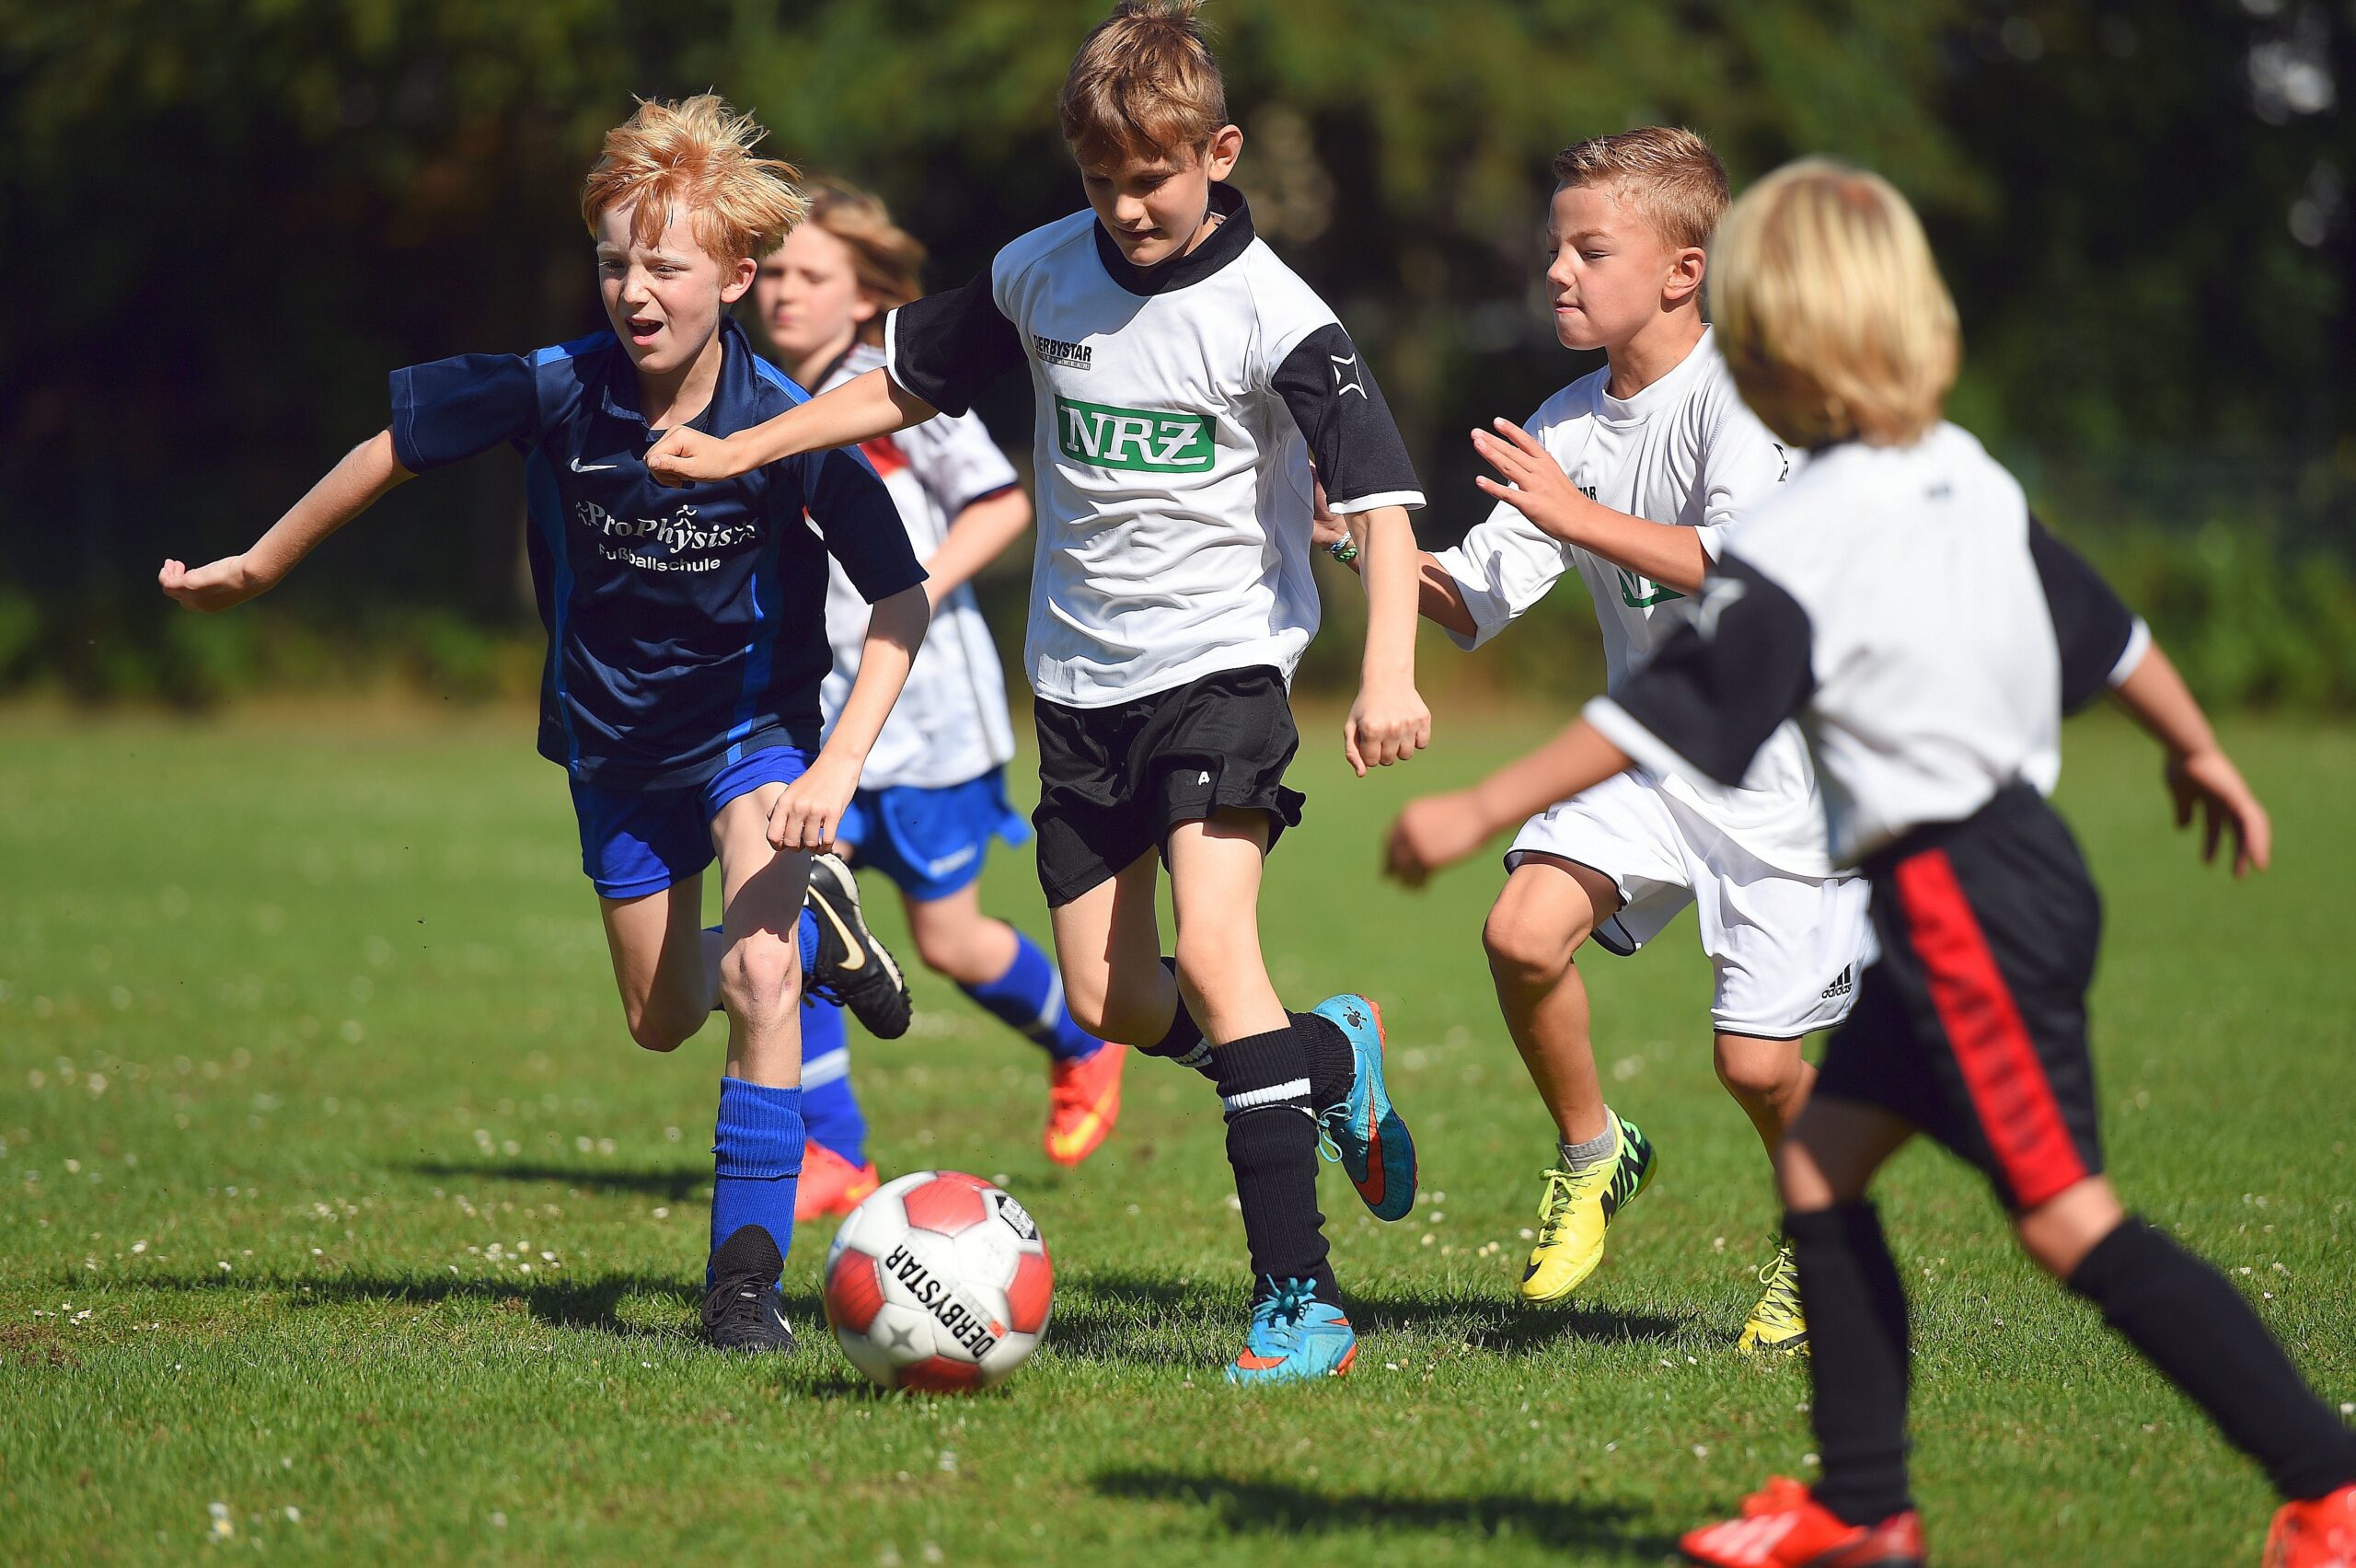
point(1332, 1064)
point(2192, 1323)
point(1857, 1339)
point(1272, 1145)
point(1183, 1042)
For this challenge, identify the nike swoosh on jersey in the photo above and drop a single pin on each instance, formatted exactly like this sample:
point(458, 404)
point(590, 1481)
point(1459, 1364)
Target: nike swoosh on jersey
point(581, 467)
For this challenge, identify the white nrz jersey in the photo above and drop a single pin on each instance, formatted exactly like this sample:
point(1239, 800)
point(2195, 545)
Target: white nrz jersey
point(1928, 632)
point(951, 723)
point(1685, 450)
point(1179, 406)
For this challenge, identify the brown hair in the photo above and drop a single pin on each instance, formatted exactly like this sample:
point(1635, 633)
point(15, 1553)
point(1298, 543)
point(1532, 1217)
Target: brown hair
point(1668, 176)
point(1143, 86)
point(887, 258)
point(1829, 308)
point(694, 158)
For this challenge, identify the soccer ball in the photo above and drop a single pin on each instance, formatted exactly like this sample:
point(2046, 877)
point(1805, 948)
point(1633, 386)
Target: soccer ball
point(939, 1281)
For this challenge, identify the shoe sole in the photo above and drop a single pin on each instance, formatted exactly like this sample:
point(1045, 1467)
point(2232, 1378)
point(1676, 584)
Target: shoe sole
point(1390, 1146)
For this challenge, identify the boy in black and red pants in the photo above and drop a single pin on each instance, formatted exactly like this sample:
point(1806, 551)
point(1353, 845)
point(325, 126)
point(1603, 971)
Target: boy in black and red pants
point(1897, 599)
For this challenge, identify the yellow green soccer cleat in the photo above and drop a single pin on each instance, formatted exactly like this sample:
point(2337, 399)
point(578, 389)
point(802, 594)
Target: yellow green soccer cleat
point(1776, 1326)
point(1577, 1209)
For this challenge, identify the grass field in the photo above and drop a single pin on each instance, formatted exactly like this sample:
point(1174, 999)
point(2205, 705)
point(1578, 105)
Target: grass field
point(341, 1219)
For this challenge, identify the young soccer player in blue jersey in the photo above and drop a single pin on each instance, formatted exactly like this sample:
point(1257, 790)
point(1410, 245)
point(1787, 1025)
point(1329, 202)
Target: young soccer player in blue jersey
point(934, 794)
point(687, 637)
point(1185, 379)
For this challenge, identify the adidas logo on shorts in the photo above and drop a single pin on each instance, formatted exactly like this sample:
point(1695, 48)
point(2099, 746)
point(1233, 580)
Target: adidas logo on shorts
point(1841, 984)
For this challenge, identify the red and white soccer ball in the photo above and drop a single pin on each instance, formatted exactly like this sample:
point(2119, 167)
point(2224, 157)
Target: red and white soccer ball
point(939, 1281)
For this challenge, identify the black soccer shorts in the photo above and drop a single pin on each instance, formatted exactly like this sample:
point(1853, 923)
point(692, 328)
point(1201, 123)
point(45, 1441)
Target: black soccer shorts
point(1114, 781)
point(1972, 1024)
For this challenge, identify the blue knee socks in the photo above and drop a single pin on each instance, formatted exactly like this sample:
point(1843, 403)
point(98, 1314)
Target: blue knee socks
point(1029, 998)
point(830, 1112)
point(755, 1159)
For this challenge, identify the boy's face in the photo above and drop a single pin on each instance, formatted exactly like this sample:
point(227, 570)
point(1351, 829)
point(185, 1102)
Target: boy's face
point(1155, 207)
point(806, 295)
point(1612, 272)
point(663, 299)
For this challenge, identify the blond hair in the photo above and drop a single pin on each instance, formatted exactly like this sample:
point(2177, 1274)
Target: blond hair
point(1670, 176)
point(1829, 308)
point(1143, 86)
point(696, 157)
point(886, 259)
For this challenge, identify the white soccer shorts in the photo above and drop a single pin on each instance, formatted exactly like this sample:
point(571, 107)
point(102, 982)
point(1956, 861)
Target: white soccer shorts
point(1787, 950)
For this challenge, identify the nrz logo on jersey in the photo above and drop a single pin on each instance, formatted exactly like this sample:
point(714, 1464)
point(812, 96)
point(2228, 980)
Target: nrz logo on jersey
point(1133, 438)
point(1055, 351)
point(964, 1321)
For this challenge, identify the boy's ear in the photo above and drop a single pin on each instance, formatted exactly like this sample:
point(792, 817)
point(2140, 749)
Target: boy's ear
point(1686, 267)
point(736, 277)
point(1226, 147)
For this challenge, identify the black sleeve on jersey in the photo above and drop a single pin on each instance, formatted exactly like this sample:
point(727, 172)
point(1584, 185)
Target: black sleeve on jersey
point(1723, 681)
point(1342, 415)
point(2091, 626)
point(947, 347)
point(449, 410)
point(861, 527)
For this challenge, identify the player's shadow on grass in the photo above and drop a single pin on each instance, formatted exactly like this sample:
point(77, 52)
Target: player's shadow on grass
point(1507, 1327)
point(677, 1186)
point(1273, 1508)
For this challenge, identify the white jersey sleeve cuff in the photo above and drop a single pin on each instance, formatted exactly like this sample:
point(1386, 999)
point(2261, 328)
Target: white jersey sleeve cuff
point(1412, 500)
point(1489, 616)
point(2139, 643)
point(1616, 724)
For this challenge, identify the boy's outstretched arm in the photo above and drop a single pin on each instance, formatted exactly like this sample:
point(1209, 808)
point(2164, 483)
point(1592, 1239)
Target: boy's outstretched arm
point(859, 409)
point(2198, 773)
point(1388, 722)
point(350, 487)
point(1533, 484)
point(810, 813)
point(1440, 598)
point(1439, 830)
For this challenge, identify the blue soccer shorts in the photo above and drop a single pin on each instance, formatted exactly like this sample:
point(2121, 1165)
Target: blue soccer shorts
point(634, 842)
point(931, 842)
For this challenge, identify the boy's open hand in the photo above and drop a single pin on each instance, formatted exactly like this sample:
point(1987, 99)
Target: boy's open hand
point(1534, 484)
point(216, 585)
point(810, 813)
point(2209, 780)
point(685, 456)
point(1387, 724)
point(1436, 831)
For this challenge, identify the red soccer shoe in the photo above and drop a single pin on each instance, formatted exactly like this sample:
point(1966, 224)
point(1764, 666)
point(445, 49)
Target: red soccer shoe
point(830, 1184)
point(2321, 1534)
point(1783, 1526)
point(1083, 1102)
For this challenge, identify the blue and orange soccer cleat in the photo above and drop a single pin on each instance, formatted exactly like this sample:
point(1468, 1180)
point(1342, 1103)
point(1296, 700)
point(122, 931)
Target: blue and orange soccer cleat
point(2317, 1534)
point(1366, 1131)
point(1783, 1527)
point(1295, 1337)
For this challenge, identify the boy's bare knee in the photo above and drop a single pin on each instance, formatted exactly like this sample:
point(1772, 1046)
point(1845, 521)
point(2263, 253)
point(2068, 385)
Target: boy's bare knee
point(1526, 951)
point(1757, 1069)
point(652, 1030)
point(760, 976)
point(1216, 961)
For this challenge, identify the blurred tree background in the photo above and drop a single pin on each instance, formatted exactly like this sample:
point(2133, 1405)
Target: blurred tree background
point(225, 219)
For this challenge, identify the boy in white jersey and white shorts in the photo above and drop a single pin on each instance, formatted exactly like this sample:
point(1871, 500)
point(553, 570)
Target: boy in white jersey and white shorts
point(1631, 476)
point(1185, 379)
point(933, 794)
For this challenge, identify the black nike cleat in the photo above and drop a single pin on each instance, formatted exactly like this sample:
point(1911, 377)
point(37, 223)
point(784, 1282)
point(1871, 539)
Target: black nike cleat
point(853, 968)
point(740, 1311)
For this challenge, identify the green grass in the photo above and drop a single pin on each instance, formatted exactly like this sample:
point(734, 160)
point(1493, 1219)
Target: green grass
point(308, 1053)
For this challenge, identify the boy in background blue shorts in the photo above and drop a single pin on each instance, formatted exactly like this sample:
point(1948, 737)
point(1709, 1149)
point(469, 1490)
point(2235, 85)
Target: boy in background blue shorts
point(686, 639)
point(934, 794)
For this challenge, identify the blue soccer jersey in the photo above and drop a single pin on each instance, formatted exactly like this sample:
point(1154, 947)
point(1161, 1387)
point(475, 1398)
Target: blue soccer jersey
point(687, 626)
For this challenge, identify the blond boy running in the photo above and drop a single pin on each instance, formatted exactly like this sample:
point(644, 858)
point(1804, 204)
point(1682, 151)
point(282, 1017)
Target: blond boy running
point(1632, 478)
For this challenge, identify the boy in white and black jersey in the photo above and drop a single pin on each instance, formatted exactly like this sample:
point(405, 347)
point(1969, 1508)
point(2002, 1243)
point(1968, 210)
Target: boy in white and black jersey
point(1186, 381)
point(1632, 478)
point(1928, 635)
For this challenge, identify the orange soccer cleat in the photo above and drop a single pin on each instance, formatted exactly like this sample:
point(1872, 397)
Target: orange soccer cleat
point(1783, 1526)
point(2319, 1534)
point(1083, 1102)
point(830, 1184)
